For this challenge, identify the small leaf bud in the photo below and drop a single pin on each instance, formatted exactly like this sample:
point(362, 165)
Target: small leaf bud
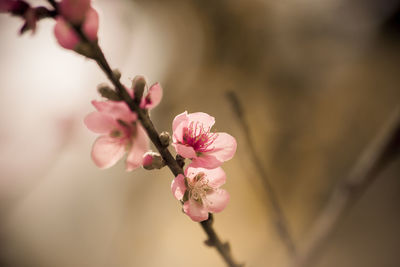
point(106, 92)
point(117, 74)
point(165, 138)
point(138, 85)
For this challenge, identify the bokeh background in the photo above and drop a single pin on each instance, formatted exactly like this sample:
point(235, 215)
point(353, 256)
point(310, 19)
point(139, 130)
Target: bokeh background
point(317, 80)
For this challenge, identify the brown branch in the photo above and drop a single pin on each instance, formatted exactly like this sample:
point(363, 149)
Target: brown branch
point(97, 54)
point(382, 150)
point(279, 216)
point(171, 162)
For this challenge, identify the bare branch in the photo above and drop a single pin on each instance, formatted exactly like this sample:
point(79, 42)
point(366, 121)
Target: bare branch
point(279, 215)
point(382, 150)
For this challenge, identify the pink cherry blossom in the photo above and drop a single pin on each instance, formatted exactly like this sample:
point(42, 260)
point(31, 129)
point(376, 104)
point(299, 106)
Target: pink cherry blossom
point(121, 132)
point(193, 139)
point(199, 191)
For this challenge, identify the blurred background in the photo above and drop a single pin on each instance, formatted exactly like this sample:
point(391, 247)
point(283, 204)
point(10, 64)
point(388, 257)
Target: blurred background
point(317, 80)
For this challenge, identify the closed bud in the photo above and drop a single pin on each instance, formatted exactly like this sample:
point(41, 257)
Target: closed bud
point(117, 74)
point(138, 85)
point(165, 138)
point(106, 92)
point(152, 160)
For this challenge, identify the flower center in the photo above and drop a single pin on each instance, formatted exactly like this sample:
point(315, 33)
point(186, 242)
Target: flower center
point(198, 187)
point(198, 137)
point(124, 131)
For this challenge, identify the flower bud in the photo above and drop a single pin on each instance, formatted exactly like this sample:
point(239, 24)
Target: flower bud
point(65, 34)
point(152, 160)
point(117, 73)
point(107, 92)
point(138, 85)
point(165, 138)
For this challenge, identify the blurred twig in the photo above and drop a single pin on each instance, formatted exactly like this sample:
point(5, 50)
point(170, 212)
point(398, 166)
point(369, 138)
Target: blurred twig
point(279, 216)
point(382, 150)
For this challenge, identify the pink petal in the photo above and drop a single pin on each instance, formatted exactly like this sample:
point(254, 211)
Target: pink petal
point(91, 24)
point(99, 122)
point(74, 10)
point(178, 124)
point(217, 200)
point(107, 151)
point(206, 161)
point(65, 35)
point(185, 151)
point(207, 120)
point(178, 187)
point(139, 147)
point(216, 177)
point(196, 211)
point(118, 110)
point(224, 147)
point(153, 97)
point(147, 159)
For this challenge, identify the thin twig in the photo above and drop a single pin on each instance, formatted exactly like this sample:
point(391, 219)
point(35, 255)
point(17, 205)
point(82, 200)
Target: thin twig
point(173, 165)
point(143, 116)
point(279, 216)
point(382, 150)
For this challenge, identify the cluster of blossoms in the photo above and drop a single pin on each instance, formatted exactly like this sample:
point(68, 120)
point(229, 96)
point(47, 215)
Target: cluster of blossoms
point(198, 188)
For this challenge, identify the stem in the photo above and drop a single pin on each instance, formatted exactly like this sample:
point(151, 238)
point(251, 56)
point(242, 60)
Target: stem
point(382, 150)
point(279, 216)
point(213, 239)
point(143, 116)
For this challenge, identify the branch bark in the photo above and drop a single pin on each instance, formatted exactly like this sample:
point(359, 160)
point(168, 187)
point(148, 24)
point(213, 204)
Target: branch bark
point(279, 216)
point(143, 116)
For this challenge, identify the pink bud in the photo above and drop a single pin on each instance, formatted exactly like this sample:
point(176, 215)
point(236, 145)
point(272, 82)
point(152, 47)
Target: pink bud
point(74, 10)
point(152, 160)
point(91, 24)
point(65, 35)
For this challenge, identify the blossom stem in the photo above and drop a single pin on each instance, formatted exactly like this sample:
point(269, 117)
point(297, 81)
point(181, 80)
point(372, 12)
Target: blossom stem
point(282, 226)
point(213, 239)
point(143, 116)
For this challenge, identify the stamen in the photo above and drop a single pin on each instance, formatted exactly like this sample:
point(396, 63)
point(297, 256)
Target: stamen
point(198, 137)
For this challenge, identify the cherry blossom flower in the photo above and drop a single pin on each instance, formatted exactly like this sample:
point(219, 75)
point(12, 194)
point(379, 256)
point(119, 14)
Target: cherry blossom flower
point(199, 191)
point(193, 139)
point(121, 132)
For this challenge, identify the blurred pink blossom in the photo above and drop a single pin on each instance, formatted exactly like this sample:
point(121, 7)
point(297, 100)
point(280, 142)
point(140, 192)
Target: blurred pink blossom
point(193, 139)
point(121, 132)
point(200, 192)
point(67, 36)
point(74, 11)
